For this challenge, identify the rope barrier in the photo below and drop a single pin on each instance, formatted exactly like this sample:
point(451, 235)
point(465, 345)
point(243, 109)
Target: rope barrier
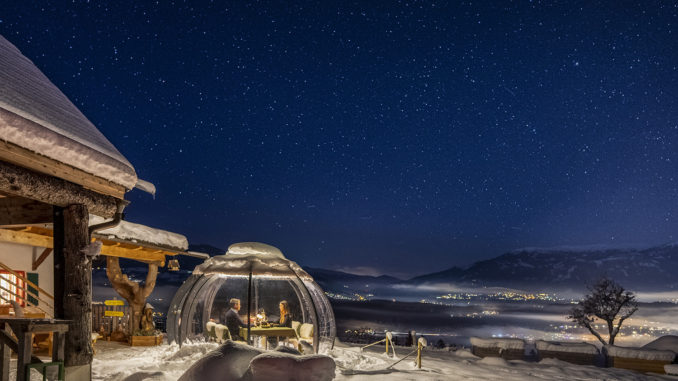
point(421, 344)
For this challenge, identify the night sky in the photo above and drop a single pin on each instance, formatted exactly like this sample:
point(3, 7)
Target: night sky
point(389, 137)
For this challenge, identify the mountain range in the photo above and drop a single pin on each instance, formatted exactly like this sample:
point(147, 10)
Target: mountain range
point(547, 269)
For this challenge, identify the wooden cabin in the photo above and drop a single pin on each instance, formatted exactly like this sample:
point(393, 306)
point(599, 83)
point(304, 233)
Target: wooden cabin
point(61, 184)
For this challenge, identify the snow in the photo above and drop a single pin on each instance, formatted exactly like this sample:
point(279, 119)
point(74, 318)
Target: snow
point(287, 367)
point(668, 342)
point(256, 248)
point(640, 353)
point(259, 258)
point(37, 116)
point(498, 343)
point(229, 361)
point(129, 231)
point(116, 362)
point(671, 369)
point(566, 347)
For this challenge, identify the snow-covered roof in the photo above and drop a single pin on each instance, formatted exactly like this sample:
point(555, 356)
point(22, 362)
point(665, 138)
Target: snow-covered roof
point(569, 347)
point(641, 353)
point(128, 231)
point(258, 258)
point(37, 116)
point(503, 343)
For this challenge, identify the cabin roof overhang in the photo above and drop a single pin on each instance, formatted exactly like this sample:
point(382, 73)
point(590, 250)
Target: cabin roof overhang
point(42, 236)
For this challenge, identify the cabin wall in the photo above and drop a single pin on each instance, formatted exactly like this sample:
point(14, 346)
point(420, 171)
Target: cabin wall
point(21, 257)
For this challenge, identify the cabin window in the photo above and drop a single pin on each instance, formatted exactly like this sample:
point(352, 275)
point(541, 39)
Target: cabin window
point(12, 287)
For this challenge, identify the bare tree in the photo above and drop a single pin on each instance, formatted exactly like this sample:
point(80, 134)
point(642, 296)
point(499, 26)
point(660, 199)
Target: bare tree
point(133, 292)
point(609, 302)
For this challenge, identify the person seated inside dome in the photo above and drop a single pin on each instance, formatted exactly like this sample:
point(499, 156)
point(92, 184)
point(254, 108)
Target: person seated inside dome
point(232, 320)
point(285, 316)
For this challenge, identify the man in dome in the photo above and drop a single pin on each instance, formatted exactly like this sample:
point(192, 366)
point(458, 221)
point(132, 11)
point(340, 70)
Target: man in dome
point(232, 320)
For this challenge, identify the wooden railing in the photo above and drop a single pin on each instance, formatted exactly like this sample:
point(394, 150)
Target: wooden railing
point(28, 292)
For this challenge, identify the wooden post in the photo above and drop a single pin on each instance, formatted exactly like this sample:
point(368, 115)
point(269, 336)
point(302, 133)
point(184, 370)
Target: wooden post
point(59, 265)
point(5, 354)
point(249, 306)
point(419, 355)
point(77, 301)
point(25, 340)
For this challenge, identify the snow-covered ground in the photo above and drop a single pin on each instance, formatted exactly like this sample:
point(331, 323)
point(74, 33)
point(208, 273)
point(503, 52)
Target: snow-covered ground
point(168, 362)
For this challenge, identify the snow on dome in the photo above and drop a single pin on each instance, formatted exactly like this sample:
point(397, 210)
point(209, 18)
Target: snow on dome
point(129, 231)
point(258, 258)
point(37, 116)
point(255, 248)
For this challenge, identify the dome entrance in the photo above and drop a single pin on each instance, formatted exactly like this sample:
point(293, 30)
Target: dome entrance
point(253, 294)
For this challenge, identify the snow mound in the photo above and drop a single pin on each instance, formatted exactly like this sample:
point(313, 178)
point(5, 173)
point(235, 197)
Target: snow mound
point(353, 359)
point(552, 346)
point(288, 367)
point(498, 343)
point(554, 362)
point(129, 231)
point(495, 361)
point(228, 362)
point(640, 353)
point(671, 369)
point(464, 353)
point(166, 362)
point(665, 343)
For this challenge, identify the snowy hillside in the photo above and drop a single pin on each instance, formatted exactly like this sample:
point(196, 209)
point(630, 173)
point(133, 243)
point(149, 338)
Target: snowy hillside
point(650, 269)
point(555, 269)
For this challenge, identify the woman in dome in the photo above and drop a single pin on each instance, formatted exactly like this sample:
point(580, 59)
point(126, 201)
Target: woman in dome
point(285, 315)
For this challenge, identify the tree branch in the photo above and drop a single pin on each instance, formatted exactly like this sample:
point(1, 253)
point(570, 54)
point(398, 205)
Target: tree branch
point(151, 277)
point(121, 284)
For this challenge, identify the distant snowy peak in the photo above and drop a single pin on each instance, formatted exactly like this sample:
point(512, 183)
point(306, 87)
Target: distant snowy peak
point(579, 248)
point(569, 268)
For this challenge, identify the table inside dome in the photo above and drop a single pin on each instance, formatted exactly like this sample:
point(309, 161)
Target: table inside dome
point(269, 332)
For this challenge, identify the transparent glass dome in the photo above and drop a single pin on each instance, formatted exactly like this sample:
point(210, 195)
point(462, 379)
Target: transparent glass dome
point(260, 274)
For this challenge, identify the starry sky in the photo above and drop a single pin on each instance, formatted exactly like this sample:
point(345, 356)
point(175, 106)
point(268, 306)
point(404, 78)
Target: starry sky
point(395, 137)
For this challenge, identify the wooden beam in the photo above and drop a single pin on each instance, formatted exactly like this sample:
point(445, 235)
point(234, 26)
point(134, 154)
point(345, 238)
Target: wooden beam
point(19, 181)
point(22, 211)
point(59, 262)
point(25, 238)
point(12, 153)
point(41, 258)
point(41, 237)
point(77, 300)
point(141, 255)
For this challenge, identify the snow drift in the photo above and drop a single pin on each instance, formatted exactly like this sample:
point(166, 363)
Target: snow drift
point(235, 361)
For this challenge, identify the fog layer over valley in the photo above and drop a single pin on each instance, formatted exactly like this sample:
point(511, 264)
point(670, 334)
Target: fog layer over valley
point(527, 293)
